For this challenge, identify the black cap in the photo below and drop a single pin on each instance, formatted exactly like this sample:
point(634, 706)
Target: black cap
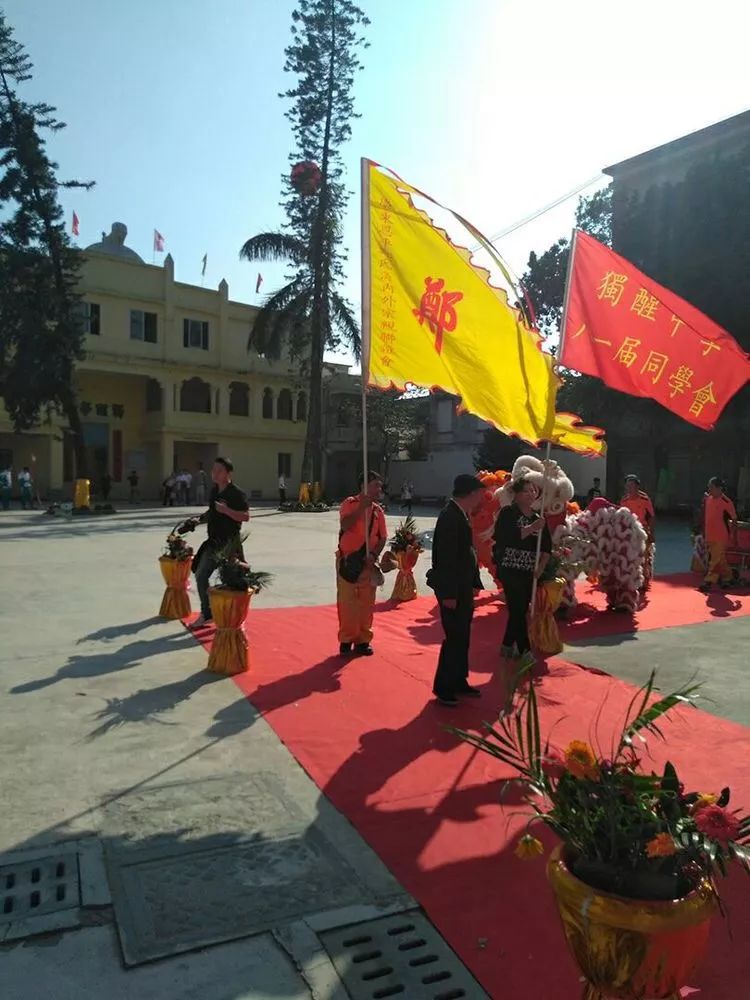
point(465, 485)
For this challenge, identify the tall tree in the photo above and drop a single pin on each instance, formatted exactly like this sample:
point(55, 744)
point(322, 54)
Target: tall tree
point(308, 311)
point(496, 451)
point(41, 330)
point(394, 424)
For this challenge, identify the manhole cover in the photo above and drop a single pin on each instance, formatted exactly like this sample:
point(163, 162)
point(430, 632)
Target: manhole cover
point(400, 956)
point(166, 905)
point(42, 886)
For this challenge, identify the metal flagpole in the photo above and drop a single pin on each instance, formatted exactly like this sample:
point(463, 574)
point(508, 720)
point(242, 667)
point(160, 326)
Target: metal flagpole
point(365, 322)
point(548, 449)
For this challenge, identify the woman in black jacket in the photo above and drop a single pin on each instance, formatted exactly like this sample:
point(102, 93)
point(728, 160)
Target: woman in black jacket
point(516, 533)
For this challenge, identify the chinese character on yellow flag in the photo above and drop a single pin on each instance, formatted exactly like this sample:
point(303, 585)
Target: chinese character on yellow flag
point(435, 321)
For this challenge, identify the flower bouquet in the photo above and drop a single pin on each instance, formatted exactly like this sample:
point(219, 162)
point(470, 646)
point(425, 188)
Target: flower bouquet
point(634, 876)
point(230, 602)
point(175, 564)
point(405, 548)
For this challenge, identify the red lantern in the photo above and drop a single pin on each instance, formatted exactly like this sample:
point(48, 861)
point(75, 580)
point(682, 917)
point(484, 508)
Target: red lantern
point(306, 177)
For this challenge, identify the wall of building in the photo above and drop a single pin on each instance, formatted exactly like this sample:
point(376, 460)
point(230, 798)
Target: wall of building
point(434, 477)
point(123, 433)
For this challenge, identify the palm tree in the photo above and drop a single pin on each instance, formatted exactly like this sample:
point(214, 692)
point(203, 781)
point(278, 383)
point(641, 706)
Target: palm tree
point(309, 311)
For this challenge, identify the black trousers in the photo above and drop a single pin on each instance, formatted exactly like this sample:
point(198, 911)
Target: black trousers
point(517, 587)
point(453, 664)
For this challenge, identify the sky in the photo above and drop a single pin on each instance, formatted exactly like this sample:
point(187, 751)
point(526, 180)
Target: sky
point(494, 107)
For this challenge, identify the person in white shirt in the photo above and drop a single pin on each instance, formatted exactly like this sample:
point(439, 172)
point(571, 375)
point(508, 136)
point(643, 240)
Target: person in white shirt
point(187, 483)
point(27, 488)
point(407, 492)
point(282, 488)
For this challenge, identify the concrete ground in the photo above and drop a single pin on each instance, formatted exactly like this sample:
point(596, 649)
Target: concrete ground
point(110, 728)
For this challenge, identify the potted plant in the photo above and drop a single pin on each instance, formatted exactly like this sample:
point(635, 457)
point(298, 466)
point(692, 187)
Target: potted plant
point(175, 563)
point(634, 876)
point(405, 548)
point(230, 601)
point(543, 631)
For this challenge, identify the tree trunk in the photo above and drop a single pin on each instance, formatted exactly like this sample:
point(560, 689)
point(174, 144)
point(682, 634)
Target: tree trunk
point(312, 464)
point(70, 408)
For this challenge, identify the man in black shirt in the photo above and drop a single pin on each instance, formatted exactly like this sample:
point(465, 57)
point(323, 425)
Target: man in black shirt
point(454, 577)
point(227, 510)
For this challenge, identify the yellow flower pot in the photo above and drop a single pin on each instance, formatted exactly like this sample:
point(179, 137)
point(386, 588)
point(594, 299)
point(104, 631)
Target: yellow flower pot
point(176, 601)
point(631, 949)
point(405, 587)
point(543, 632)
point(229, 653)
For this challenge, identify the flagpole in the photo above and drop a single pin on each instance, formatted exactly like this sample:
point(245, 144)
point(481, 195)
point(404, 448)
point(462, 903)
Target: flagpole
point(548, 449)
point(365, 319)
point(566, 296)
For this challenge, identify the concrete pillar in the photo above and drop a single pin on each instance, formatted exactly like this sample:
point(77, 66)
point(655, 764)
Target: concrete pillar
point(168, 335)
point(166, 455)
point(55, 464)
point(223, 331)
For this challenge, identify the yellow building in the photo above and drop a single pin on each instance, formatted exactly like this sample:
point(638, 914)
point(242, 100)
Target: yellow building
point(167, 383)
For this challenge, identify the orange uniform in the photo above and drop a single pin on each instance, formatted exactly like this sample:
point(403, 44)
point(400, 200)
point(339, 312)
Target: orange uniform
point(640, 505)
point(718, 512)
point(356, 601)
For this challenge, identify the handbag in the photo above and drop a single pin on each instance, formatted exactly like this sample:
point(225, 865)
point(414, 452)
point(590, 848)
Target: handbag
point(352, 566)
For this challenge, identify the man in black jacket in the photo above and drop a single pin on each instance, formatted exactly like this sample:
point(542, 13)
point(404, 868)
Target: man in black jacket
point(455, 579)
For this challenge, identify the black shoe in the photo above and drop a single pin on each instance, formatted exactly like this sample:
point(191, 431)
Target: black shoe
point(705, 588)
point(363, 649)
point(449, 700)
point(345, 649)
point(468, 692)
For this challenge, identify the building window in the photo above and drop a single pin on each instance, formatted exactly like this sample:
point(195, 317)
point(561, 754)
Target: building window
point(302, 406)
point(343, 414)
point(268, 404)
point(195, 334)
point(195, 396)
point(143, 326)
point(284, 406)
point(285, 464)
point(153, 396)
point(91, 314)
point(239, 399)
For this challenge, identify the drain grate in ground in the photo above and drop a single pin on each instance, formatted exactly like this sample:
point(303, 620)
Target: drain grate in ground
point(30, 889)
point(402, 956)
point(166, 905)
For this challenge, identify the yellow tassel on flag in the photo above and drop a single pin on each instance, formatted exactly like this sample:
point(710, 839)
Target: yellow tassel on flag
point(433, 319)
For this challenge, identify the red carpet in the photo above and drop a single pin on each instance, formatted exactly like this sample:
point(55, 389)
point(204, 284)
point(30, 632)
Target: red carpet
point(671, 601)
point(370, 737)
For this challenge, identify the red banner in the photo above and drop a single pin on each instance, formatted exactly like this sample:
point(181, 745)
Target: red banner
point(638, 337)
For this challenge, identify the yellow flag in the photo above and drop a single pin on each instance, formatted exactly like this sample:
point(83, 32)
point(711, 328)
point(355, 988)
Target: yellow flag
point(436, 321)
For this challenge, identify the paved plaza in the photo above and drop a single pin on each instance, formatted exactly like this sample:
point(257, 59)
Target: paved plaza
point(115, 740)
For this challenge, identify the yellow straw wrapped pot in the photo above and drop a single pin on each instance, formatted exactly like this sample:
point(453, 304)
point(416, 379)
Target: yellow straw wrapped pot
point(176, 601)
point(229, 653)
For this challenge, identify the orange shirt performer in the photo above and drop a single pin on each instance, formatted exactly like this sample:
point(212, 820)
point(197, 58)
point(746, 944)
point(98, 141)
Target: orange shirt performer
point(719, 518)
point(639, 503)
point(355, 572)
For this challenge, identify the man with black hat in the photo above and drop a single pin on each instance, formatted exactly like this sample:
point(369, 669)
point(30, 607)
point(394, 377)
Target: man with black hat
point(455, 579)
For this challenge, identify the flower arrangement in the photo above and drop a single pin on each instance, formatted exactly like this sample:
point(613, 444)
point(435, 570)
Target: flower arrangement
point(295, 507)
point(561, 563)
point(234, 572)
point(407, 537)
point(624, 830)
point(177, 548)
